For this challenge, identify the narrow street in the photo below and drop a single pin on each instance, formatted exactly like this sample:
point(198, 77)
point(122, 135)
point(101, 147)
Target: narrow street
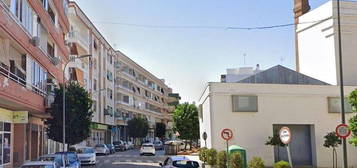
point(130, 159)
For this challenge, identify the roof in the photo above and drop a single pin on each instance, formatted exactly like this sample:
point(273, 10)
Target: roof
point(32, 163)
point(281, 75)
point(175, 158)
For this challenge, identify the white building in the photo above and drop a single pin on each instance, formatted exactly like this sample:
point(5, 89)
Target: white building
point(317, 46)
point(258, 106)
point(237, 74)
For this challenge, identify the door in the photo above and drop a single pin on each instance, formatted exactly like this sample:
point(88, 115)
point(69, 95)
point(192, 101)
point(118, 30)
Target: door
point(300, 146)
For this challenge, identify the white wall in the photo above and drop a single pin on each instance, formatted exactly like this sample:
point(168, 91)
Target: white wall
point(277, 104)
point(318, 43)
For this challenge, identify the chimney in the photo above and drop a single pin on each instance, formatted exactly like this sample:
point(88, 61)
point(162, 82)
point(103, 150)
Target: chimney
point(300, 7)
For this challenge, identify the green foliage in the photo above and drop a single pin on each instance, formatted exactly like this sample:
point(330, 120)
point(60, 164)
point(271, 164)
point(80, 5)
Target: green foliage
point(212, 157)
point(138, 127)
point(186, 123)
point(222, 159)
point(256, 162)
point(332, 140)
point(235, 160)
point(160, 130)
point(78, 115)
point(281, 164)
point(203, 154)
point(274, 140)
point(352, 99)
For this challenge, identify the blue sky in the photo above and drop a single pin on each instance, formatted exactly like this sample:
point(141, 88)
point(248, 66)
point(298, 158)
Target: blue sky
point(189, 58)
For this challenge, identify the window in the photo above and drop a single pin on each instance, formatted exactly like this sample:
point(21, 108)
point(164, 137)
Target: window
point(94, 84)
point(45, 4)
point(126, 99)
point(39, 76)
point(110, 94)
point(5, 142)
point(334, 105)
point(22, 10)
point(52, 14)
point(109, 75)
point(94, 106)
point(245, 103)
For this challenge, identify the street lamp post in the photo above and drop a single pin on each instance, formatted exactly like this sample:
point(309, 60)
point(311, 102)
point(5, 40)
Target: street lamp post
point(64, 99)
point(343, 112)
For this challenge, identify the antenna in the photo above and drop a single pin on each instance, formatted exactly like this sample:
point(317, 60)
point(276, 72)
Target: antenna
point(244, 55)
point(282, 59)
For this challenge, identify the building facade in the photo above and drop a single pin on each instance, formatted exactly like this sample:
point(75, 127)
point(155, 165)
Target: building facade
point(317, 40)
point(95, 73)
point(138, 93)
point(32, 55)
point(255, 111)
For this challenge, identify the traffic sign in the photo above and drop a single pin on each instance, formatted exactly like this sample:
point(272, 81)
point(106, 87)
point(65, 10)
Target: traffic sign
point(343, 131)
point(285, 135)
point(204, 136)
point(227, 134)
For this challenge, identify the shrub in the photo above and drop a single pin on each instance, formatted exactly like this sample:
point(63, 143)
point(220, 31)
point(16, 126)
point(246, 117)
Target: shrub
point(203, 154)
point(235, 160)
point(281, 164)
point(211, 157)
point(222, 159)
point(256, 162)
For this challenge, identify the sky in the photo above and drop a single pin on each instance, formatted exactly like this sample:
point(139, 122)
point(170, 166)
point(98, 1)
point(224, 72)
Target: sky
point(186, 42)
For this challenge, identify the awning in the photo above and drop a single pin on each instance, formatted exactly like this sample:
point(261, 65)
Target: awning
point(80, 76)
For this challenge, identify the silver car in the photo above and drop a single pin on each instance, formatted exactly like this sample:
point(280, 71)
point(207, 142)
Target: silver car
point(179, 162)
point(86, 155)
point(102, 149)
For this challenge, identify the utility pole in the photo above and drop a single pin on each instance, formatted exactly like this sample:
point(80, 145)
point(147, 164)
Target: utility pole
point(343, 113)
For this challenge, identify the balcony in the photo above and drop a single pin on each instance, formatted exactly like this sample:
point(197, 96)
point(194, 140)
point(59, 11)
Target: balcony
point(81, 42)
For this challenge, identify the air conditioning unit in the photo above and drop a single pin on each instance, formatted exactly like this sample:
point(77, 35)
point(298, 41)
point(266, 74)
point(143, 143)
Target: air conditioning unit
point(35, 41)
point(55, 60)
point(50, 98)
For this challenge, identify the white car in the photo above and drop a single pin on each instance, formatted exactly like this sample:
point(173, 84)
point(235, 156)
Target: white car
point(86, 155)
point(47, 164)
point(102, 149)
point(147, 148)
point(179, 162)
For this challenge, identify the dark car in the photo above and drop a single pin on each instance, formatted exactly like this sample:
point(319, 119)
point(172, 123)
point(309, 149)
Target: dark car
point(119, 145)
point(111, 148)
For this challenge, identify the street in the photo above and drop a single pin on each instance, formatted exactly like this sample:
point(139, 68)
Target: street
point(129, 159)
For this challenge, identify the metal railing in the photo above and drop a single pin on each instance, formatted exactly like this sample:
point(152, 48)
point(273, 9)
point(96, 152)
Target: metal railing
point(19, 78)
point(80, 37)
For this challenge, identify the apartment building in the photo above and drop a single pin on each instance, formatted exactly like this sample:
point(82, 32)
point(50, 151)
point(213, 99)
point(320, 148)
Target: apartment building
point(32, 53)
point(95, 73)
point(138, 93)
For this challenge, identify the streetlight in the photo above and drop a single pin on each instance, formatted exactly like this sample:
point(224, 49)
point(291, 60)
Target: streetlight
point(343, 113)
point(64, 98)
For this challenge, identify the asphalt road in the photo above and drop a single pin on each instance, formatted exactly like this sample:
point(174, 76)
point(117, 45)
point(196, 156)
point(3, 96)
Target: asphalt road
point(129, 159)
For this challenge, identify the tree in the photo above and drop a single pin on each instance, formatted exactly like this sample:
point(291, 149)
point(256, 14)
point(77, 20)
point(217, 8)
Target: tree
point(138, 128)
point(160, 130)
point(78, 115)
point(352, 99)
point(332, 141)
point(186, 123)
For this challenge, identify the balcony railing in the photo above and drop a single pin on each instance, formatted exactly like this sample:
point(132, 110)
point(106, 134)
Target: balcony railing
point(80, 37)
point(18, 77)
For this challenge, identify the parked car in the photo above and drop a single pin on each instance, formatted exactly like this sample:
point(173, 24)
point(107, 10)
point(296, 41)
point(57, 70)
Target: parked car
point(86, 155)
point(101, 149)
point(158, 145)
point(61, 160)
point(179, 162)
point(131, 145)
point(119, 145)
point(147, 148)
point(40, 164)
point(111, 148)
point(72, 158)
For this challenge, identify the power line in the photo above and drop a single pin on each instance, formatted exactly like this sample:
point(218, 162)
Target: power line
point(211, 27)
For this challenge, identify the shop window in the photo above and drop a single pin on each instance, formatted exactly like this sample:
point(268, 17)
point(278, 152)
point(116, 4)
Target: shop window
point(5, 143)
point(244, 103)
